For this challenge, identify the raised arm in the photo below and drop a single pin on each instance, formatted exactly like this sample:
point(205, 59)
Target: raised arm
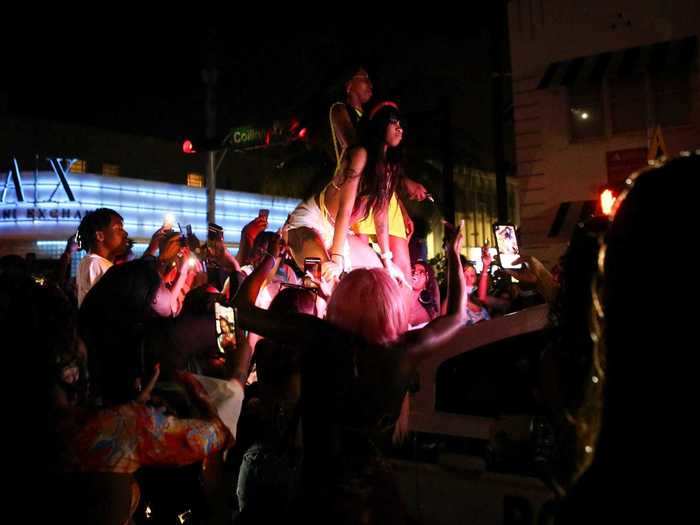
point(439, 332)
point(299, 328)
point(484, 279)
point(218, 252)
point(248, 234)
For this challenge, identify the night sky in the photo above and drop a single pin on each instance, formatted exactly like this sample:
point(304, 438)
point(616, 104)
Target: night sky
point(146, 77)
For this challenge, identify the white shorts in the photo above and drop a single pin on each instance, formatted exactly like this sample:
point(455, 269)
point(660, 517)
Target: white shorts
point(309, 215)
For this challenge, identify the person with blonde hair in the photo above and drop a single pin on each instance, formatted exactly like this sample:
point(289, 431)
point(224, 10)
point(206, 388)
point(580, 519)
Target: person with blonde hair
point(357, 365)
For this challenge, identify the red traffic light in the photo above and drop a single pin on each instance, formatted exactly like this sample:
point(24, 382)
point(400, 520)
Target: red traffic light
point(188, 147)
point(302, 133)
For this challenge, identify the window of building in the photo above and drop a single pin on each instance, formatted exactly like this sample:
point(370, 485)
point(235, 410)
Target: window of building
point(671, 98)
point(110, 170)
point(79, 166)
point(195, 180)
point(633, 103)
point(628, 104)
point(586, 111)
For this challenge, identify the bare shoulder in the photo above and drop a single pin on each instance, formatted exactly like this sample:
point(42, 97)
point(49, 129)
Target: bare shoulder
point(339, 110)
point(357, 155)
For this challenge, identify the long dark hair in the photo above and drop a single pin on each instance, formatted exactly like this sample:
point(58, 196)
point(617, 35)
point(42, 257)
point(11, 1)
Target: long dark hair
point(382, 172)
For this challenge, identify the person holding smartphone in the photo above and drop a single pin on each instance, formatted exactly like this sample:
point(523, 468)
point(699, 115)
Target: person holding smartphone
point(476, 307)
point(248, 235)
point(477, 288)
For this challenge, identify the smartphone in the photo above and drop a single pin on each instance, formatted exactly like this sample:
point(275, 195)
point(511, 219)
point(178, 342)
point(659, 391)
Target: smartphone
point(225, 319)
point(507, 245)
point(312, 266)
point(264, 213)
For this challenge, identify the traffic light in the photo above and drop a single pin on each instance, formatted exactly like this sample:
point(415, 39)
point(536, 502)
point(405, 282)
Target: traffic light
point(188, 147)
point(199, 145)
point(296, 130)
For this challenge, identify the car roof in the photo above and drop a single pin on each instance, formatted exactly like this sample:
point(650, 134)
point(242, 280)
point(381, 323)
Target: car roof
point(423, 415)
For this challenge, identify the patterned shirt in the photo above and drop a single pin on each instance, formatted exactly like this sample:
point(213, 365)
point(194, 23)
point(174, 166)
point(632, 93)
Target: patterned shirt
point(124, 438)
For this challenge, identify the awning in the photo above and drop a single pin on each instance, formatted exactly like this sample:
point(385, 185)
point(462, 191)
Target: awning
point(672, 55)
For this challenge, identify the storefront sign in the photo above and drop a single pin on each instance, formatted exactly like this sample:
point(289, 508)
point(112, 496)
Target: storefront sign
point(46, 205)
point(622, 163)
point(60, 168)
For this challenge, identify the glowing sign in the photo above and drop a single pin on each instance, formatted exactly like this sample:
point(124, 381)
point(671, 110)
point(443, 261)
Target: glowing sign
point(143, 204)
point(59, 171)
point(251, 137)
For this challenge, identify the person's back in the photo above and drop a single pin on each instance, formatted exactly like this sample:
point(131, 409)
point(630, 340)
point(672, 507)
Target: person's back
point(269, 476)
point(642, 370)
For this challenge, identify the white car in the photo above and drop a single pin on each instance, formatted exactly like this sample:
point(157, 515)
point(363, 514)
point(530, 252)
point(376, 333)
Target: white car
point(466, 396)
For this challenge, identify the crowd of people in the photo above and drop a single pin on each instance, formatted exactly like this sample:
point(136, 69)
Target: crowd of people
point(192, 384)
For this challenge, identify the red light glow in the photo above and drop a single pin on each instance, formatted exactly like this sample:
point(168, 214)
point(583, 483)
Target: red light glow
point(188, 147)
point(607, 200)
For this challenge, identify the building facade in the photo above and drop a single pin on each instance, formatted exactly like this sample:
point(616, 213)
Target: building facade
point(595, 84)
point(40, 210)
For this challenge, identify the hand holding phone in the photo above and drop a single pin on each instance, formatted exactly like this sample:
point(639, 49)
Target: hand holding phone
point(225, 319)
point(507, 245)
point(312, 272)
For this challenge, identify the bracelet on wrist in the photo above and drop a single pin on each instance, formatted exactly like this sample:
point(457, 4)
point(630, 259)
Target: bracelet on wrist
point(386, 256)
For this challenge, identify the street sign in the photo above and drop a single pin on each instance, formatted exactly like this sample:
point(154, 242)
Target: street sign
point(252, 137)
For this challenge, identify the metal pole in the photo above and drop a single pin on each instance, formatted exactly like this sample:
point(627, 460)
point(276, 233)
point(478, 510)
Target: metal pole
point(499, 37)
point(211, 186)
point(209, 76)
